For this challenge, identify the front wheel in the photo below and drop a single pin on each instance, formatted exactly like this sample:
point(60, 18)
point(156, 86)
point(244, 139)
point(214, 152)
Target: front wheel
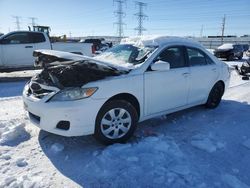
point(115, 122)
point(215, 95)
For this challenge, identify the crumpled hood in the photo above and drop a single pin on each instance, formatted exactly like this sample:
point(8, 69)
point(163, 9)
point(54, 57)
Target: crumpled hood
point(63, 69)
point(52, 56)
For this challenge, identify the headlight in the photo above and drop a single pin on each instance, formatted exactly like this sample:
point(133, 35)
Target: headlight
point(72, 94)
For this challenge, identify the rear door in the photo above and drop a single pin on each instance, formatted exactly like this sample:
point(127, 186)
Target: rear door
point(203, 75)
point(40, 41)
point(17, 49)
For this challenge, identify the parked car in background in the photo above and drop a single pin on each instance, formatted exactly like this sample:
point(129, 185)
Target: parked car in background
point(245, 47)
point(107, 95)
point(229, 51)
point(16, 48)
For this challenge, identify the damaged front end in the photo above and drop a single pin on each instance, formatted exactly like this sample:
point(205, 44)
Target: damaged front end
point(67, 72)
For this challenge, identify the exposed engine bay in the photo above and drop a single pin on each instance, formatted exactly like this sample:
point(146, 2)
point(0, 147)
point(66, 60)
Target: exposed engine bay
point(66, 71)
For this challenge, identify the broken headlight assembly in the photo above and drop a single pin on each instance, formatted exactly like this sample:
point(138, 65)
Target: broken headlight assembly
point(71, 94)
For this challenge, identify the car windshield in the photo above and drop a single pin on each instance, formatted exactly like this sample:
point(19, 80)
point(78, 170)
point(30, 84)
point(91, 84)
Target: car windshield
point(126, 55)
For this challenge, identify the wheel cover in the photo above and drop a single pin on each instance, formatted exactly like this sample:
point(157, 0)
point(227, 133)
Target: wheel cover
point(116, 123)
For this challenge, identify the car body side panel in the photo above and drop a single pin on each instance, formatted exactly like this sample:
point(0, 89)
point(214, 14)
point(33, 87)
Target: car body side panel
point(202, 79)
point(131, 84)
point(165, 90)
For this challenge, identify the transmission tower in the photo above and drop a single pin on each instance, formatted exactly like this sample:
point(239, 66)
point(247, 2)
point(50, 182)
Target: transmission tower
point(33, 21)
point(140, 17)
point(223, 28)
point(119, 13)
point(201, 31)
point(17, 22)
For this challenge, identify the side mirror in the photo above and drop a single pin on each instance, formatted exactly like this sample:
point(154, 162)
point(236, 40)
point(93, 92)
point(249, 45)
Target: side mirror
point(160, 66)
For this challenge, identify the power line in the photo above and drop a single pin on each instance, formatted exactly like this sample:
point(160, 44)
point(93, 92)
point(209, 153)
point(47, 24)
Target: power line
point(140, 17)
point(223, 28)
point(33, 22)
point(17, 22)
point(120, 15)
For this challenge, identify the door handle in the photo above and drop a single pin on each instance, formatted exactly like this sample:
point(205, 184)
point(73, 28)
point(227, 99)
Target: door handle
point(28, 46)
point(214, 69)
point(185, 74)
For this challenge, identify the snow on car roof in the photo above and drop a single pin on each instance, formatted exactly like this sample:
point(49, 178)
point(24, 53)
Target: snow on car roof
point(155, 40)
point(226, 46)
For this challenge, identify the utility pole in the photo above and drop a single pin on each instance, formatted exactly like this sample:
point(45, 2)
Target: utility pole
point(223, 28)
point(119, 13)
point(17, 22)
point(33, 22)
point(140, 17)
point(201, 32)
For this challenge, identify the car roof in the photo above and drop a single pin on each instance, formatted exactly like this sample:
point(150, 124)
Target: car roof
point(22, 32)
point(159, 41)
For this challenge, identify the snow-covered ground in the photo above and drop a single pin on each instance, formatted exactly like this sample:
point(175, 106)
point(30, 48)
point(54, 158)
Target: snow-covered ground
point(192, 148)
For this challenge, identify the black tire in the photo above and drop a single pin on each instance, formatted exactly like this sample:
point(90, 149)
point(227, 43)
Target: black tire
point(215, 95)
point(230, 57)
point(104, 112)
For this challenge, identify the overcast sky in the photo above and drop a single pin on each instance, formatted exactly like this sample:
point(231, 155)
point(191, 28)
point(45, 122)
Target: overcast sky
point(96, 17)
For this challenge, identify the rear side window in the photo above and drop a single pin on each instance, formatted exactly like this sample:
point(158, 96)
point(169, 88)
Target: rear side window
point(174, 56)
point(37, 37)
point(196, 57)
point(18, 38)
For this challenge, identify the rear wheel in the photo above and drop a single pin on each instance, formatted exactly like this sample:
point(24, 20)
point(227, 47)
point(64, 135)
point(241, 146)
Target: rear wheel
point(115, 122)
point(215, 95)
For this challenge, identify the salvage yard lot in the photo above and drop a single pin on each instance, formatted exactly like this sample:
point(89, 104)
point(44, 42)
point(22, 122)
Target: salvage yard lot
point(192, 148)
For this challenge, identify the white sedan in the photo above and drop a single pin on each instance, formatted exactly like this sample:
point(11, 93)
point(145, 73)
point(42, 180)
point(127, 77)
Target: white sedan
point(108, 95)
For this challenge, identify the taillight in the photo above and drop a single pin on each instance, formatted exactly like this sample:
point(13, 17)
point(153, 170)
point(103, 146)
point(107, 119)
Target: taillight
point(93, 49)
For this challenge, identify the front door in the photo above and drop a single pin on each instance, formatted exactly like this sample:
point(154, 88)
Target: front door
point(18, 49)
point(165, 90)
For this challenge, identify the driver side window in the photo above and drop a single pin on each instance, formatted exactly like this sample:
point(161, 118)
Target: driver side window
point(174, 56)
point(18, 38)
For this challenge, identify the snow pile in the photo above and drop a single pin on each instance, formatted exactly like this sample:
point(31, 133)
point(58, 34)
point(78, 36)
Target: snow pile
point(153, 161)
point(140, 41)
point(227, 46)
point(23, 181)
point(11, 131)
point(206, 143)
point(156, 40)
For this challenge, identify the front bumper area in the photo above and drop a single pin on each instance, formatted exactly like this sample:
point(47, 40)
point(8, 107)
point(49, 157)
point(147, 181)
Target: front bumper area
point(81, 114)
